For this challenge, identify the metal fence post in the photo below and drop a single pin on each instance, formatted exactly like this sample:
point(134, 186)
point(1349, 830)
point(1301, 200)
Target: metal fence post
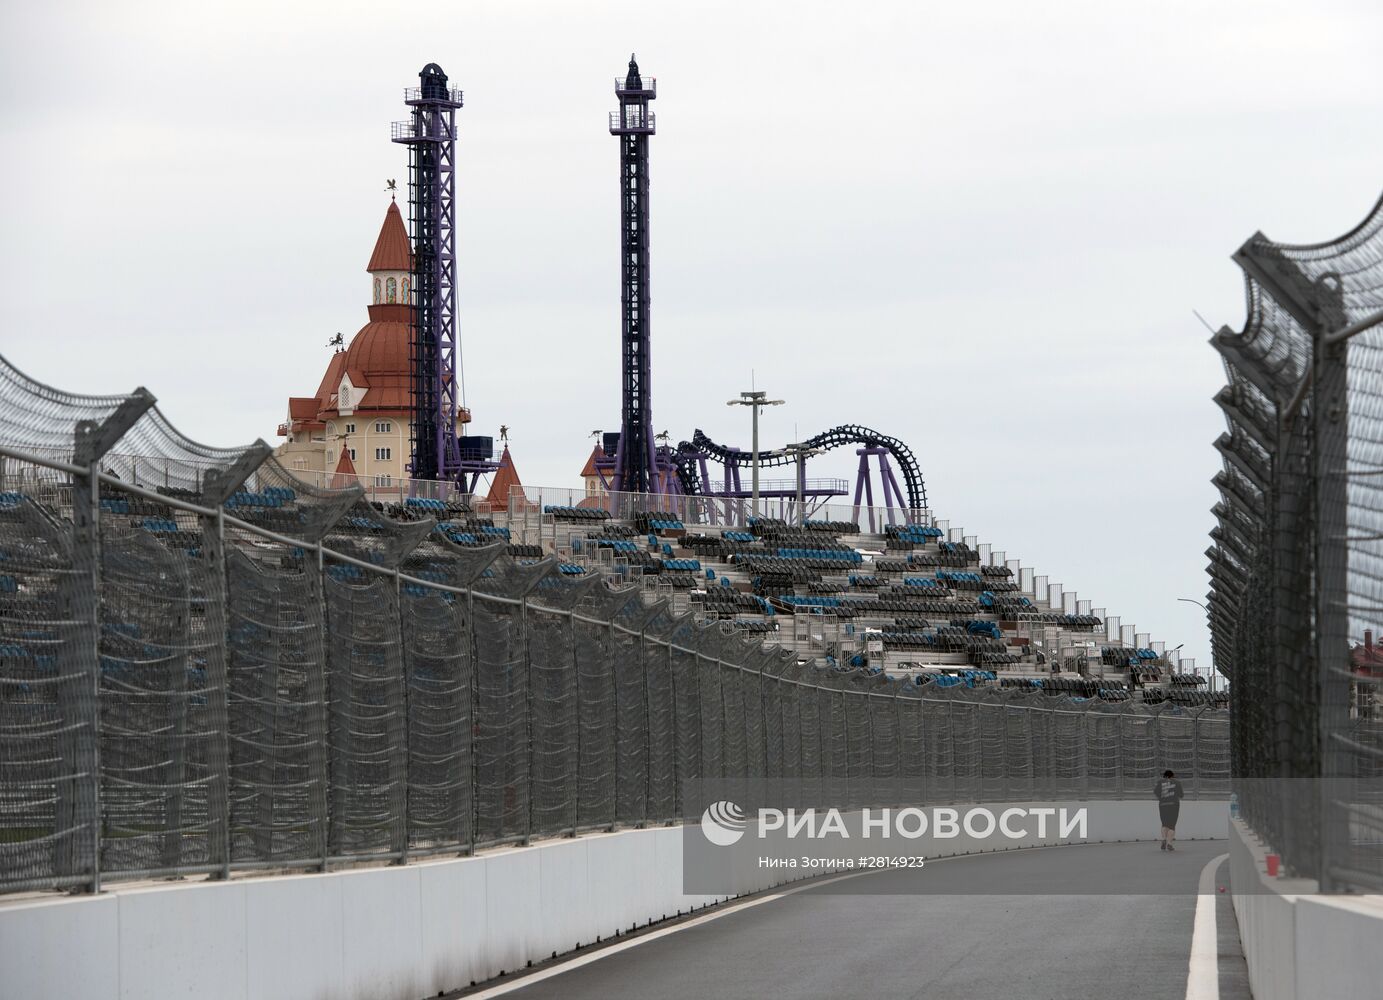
point(90, 442)
point(474, 818)
point(1329, 417)
point(647, 730)
point(1196, 754)
point(575, 772)
point(527, 717)
point(218, 677)
point(676, 736)
point(615, 718)
point(84, 855)
point(217, 487)
point(319, 746)
point(399, 768)
point(701, 769)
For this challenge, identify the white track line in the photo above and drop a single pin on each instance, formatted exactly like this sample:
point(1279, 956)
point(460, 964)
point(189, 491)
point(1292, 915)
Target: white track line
point(1203, 973)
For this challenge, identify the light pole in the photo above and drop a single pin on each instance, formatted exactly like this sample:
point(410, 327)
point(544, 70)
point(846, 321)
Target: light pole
point(1191, 600)
point(757, 400)
point(801, 452)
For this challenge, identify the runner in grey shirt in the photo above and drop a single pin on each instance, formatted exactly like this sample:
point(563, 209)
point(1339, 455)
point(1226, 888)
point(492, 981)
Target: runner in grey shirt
point(1168, 792)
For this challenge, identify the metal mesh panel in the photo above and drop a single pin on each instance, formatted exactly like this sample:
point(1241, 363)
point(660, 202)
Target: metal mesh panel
point(1020, 762)
point(42, 422)
point(712, 716)
point(597, 729)
point(963, 720)
point(46, 700)
point(938, 749)
point(276, 706)
point(366, 714)
point(662, 721)
point(994, 750)
point(912, 748)
point(438, 666)
point(883, 728)
point(751, 699)
point(553, 701)
point(734, 733)
point(156, 726)
point(834, 753)
point(775, 703)
point(501, 725)
point(1070, 765)
point(859, 748)
point(686, 713)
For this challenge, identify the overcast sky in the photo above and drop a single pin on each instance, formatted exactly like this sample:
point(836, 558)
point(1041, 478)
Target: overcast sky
point(981, 229)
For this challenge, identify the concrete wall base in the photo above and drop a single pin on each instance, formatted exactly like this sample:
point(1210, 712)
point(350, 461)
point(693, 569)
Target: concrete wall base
point(1300, 945)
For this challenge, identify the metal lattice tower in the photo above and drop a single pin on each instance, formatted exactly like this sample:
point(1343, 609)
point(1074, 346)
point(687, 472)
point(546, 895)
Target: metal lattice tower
point(434, 378)
point(636, 461)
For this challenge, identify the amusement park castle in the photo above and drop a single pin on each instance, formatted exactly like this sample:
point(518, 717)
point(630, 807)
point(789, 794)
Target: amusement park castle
point(875, 578)
point(359, 421)
point(387, 411)
point(358, 426)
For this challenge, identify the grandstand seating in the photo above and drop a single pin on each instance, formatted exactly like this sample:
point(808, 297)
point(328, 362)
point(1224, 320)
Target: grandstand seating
point(905, 599)
point(577, 514)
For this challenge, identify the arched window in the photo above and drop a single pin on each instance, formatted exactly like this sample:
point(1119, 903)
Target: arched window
point(377, 298)
point(407, 291)
point(392, 290)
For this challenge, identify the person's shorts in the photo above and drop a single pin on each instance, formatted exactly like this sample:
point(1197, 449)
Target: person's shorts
point(1169, 812)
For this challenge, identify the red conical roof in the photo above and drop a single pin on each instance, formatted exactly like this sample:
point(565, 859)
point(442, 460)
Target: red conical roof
point(345, 472)
point(505, 477)
point(590, 469)
point(392, 250)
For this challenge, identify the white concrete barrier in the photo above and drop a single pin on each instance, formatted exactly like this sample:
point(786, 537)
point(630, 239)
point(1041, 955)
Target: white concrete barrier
point(1300, 945)
point(396, 933)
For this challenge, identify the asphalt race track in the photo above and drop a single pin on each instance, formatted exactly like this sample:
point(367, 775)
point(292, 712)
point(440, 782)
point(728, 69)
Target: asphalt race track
point(1099, 921)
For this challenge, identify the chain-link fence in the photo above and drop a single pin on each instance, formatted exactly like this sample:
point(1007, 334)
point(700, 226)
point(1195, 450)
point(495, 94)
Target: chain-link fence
point(1297, 562)
point(208, 666)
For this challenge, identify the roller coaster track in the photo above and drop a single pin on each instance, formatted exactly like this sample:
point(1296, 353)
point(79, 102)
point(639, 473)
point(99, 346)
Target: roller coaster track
point(846, 435)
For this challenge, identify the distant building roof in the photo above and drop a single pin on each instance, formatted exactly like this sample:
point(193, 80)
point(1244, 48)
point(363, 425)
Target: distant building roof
point(506, 476)
point(392, 250)
point(1367, 658)
point(345, 474)
point(590, 469)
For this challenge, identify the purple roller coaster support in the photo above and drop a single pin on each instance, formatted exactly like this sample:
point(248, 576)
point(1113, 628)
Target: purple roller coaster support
point(733, 509)
point(712, 515)
point(891, 495)
point(864, 487)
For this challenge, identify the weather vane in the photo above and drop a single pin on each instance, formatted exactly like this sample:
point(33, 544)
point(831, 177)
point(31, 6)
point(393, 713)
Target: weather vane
point(336, 341)
point(504, 433)
point(391, 185)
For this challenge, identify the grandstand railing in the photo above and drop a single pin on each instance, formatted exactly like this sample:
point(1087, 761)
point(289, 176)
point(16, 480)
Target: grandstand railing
point(222, 667)
point(1297, 556)
point(691, 510)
